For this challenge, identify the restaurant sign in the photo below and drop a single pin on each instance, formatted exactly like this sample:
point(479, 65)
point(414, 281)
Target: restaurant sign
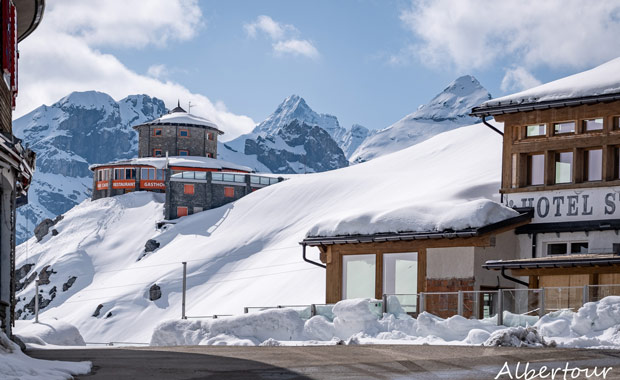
point(569, 205)
point(123, 184)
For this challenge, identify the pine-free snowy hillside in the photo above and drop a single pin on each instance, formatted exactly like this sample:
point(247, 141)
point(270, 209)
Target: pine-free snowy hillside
point(448, 110)
point(243, 254)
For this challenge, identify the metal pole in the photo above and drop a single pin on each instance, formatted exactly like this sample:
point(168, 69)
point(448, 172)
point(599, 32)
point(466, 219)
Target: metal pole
point(184, 290)
point(384, 306)
point(500, 307)
point(245, 310)
point(541, 297)
point(476, 304)
point(586, 295)
point(460, 305)
point(312, 310)
point(36, 301)
point(421, 305)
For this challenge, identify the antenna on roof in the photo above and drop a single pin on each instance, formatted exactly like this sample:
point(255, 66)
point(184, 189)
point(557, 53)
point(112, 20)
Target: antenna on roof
point(178, 103)
point(189, 107)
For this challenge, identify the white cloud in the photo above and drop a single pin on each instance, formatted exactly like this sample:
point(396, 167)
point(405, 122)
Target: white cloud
point(517, 79)
point(475, 34)
point(298, 47)
point(283, 37)
point(55, 61)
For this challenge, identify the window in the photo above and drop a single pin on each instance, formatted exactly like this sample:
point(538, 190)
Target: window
point(535, 130)
point(188, 189)
point(536, 169)
point(209, 135)
point(183, 133)
point(616, 122)
point(157, 132)
point(229, 192)
point(130, 173)
point(181, 211)
point(210, 155)
point(358, 276)
point(400, 276)
point(576, 248)
point(566, 127)
point(119, 174)
point(593, 165)
point(563, 167)
point(157, 153)
point(160, 174)
point(183, 152)
point(593, 124)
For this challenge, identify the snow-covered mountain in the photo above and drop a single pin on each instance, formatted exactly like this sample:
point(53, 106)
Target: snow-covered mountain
point(80, 129)
point(293, 139)
point(98, 277)
point(448, 110)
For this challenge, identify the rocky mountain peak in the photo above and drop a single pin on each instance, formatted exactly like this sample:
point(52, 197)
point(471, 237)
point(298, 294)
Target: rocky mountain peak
point(454, 102)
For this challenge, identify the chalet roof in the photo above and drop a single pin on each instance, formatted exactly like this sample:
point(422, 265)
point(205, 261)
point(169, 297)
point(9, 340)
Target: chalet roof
point(600, 84)
point(521, 218)
point(180, 161)
point(563, 261)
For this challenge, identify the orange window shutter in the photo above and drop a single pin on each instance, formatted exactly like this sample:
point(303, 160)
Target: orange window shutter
point(181, 211)
point(229, 192)
point(188, 189)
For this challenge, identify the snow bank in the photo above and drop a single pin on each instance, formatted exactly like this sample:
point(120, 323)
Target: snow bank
point(14, 364)
point(439, 217)
point(357, 321)
point(48, 332)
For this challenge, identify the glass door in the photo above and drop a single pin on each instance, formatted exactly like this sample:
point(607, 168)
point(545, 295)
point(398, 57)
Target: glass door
point(400, 277)
point(358, 276)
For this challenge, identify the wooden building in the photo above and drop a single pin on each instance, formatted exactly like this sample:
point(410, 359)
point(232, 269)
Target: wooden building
point(407, 263)
point(561, 157)
point(19, 18)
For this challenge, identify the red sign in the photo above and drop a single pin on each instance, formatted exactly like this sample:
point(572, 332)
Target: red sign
point(123, 184)
point(102, 185)
point(152, 184)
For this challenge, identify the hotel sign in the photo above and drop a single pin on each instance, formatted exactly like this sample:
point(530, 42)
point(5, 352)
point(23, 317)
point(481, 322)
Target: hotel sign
point(569, 205)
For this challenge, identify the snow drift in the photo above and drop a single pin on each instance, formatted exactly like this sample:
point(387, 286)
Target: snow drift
point(355, 321)
point(48, 332)
point(242, 254)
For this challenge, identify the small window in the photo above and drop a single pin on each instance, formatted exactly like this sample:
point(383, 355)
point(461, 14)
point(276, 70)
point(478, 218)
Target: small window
point(616, 122)
point(157, 153)
point(536, 169)
point(160, 174)
point(229, 177)
point(183, 152)
point(210, 155)
point(157, 132)
point(183, 133)
point(240, 178)
point(210, 136)
point(130, 173)
point(217, 177)
point(564, 167)
point(200, 175)
point(593, 164)
point(579, 248)
point(535, 130)
point(229, 192)
point(119, 174)
point(562, 128)
point(593, 124)
point(144, 173)
point(181, 211)
point(556, 249)
point(188, 189)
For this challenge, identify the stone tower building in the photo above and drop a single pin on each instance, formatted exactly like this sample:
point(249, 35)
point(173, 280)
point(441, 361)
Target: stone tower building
point(179, 134)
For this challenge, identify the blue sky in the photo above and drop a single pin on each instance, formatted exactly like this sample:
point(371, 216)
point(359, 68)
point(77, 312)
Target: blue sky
point(369, 62)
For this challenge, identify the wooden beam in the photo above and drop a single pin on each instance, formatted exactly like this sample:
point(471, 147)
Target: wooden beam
point(564, 271)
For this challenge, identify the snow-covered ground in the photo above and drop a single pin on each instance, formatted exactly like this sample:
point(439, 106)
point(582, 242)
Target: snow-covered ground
point(48, 333)
point(357, 321)
point(14, 364)
point(242, 254)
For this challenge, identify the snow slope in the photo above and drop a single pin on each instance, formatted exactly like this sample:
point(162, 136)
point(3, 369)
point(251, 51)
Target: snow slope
point(448, 110)
point(242, 254)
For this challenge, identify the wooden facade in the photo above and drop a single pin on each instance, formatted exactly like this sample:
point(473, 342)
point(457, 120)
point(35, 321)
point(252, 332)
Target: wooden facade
point(516, 146)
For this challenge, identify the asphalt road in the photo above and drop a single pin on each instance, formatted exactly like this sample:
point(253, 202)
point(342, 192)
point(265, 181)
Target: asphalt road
point(332, 362)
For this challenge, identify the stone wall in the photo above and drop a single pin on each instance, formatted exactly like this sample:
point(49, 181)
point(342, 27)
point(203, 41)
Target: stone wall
point(196, 144)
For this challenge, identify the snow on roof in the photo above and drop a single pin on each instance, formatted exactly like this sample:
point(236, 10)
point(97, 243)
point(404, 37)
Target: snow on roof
point(185, 161)
point(184, 118)
point(601, 80)
point(453, 216)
